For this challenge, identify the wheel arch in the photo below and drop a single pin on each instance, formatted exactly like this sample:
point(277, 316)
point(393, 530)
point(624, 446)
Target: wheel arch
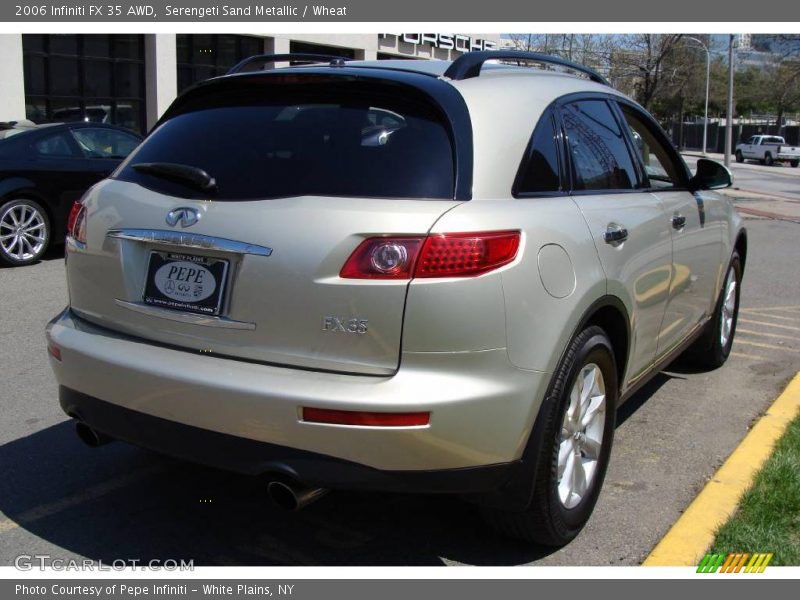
point(25, 189)
point(609, 313)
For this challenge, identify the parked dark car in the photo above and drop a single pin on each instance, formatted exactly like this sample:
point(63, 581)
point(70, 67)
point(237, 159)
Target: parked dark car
point(43, 170)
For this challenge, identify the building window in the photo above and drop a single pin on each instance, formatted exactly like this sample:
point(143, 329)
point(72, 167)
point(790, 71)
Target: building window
point(97, 78)
point(202, 56)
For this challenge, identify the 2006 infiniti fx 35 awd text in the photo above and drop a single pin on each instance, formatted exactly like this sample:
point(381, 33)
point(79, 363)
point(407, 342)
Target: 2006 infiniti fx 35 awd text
point(428, 276)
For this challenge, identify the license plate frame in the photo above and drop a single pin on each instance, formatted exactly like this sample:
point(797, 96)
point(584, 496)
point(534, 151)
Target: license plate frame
point(178, 287)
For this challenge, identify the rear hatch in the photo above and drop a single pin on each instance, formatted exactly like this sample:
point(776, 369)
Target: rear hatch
point(247, 265)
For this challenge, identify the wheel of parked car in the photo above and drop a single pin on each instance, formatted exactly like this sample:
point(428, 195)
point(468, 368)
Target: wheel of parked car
point(739, 156)
point(24, 231)
point(794, 163)
point(768, 159)
point(712, 349)
point(575, 445)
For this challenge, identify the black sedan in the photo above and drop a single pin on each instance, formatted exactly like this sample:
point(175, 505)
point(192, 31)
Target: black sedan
point(43, 170)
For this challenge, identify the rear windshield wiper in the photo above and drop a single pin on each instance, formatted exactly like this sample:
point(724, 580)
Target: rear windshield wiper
point(186, 174)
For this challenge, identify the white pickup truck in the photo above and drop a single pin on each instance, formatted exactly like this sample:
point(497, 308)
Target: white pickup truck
point(768, 149)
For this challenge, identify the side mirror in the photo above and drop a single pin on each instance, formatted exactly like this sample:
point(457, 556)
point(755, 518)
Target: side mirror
point(710, 175)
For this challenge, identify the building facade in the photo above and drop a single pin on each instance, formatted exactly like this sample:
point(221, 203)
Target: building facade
point(130, 79)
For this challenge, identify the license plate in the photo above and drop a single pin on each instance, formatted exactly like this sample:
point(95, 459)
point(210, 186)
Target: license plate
point(186, 282)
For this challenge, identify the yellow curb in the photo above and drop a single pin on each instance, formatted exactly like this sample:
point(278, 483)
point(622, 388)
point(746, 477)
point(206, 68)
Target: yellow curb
point(693, 533)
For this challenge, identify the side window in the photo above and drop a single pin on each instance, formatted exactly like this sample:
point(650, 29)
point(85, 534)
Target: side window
point(56, 145)
point(600, 158)
point(751, 141)
point(104, 143)
point(539, 169)
point(659, 163)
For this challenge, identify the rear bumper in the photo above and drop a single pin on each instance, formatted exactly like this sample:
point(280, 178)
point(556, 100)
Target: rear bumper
point(251, 457)
point(247, 416)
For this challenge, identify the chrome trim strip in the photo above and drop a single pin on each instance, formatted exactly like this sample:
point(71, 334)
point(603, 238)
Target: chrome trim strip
point(189, 240)
point(184, 317)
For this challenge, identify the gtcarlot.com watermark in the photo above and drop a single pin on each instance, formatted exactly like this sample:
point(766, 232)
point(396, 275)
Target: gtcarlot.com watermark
point(42, 562)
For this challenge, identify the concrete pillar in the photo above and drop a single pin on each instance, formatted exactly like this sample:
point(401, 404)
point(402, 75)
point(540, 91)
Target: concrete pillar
point(12, 76)
point(161, 74)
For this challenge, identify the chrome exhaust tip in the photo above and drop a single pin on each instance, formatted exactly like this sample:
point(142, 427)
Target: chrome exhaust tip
point(90, 437)
point(292, 496)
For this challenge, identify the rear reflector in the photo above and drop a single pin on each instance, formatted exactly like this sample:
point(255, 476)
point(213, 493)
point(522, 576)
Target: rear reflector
point(371, 419)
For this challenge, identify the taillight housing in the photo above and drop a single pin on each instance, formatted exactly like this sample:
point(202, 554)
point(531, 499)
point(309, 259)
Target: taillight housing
point(437, 255)
point(76, 224)
point(466, 254)
point(382, 258)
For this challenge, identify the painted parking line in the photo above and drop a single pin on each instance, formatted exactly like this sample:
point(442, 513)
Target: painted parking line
point(92, 493)
point(769, 309)
point(765, 334)
point(762, 345)
point(780, 326)
point(749, 356)
point(694, 532)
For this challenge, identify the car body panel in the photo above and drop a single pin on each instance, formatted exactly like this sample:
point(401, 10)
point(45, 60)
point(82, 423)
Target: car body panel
point(285, 296)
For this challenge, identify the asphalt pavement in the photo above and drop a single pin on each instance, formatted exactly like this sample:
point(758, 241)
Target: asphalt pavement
point(61, 498)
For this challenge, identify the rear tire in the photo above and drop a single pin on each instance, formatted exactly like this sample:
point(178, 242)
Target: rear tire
point(794, 163)
point(768, 159)
point(24, 232)
point(713, 347)
point(572, 455)
point(739, 156)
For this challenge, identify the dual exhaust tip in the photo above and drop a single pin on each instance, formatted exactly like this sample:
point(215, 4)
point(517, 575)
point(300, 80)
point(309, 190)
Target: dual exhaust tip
point(286, 494)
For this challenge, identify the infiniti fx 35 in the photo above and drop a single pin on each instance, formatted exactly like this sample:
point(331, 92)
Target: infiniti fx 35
point(414, 277)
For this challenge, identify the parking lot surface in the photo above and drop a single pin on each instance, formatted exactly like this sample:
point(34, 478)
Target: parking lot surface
point(61, 498)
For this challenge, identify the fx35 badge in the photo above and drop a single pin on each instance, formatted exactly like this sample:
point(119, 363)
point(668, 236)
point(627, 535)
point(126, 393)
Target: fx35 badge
point(338, 325)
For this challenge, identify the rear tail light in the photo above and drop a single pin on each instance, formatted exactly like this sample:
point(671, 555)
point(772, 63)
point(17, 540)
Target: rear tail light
point(76, 224)
point(466, 254)
point(437, 255)
point(382, 258)
point(365, 419)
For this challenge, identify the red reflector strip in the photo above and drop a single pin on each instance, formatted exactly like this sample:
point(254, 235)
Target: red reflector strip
point(374, 419)
point(54, 351)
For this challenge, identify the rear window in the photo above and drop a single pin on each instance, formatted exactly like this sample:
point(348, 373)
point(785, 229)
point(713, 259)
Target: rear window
point(281, 141)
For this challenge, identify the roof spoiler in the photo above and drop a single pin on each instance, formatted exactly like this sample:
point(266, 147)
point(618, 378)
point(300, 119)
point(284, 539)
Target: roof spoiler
point(469, 65)
point(334, 61)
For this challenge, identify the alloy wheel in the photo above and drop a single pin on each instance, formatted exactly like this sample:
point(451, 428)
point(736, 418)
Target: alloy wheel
point(728, 311)
point(22, 232)
point(581, 436)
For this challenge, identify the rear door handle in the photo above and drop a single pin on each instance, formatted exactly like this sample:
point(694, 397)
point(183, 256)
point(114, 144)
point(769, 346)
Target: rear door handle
point(615, 234)
point(678, 221)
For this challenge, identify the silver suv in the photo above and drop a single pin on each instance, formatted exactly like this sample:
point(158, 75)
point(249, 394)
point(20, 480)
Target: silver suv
point(401, 276)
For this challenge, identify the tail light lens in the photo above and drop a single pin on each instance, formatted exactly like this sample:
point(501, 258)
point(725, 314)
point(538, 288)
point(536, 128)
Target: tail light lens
point(76, 224)
point(438, 255)
point(466, 254)
point(382, 258)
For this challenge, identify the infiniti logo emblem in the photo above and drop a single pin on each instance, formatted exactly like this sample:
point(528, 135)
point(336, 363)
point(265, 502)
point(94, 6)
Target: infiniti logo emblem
point(184, 215)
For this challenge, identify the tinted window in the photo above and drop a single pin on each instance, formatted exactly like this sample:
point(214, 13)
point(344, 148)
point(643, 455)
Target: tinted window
point(661, 166)
point(104, 143)
point(313, 141)
point(600, 158)
point(54, 145)
point(539, 171)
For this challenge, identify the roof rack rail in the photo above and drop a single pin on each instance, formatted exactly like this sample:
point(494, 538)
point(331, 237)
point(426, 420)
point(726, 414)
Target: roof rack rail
point(469, 65)
point(334, 61)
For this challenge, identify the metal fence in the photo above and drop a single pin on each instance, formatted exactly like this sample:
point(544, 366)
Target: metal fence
point(689, 136)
